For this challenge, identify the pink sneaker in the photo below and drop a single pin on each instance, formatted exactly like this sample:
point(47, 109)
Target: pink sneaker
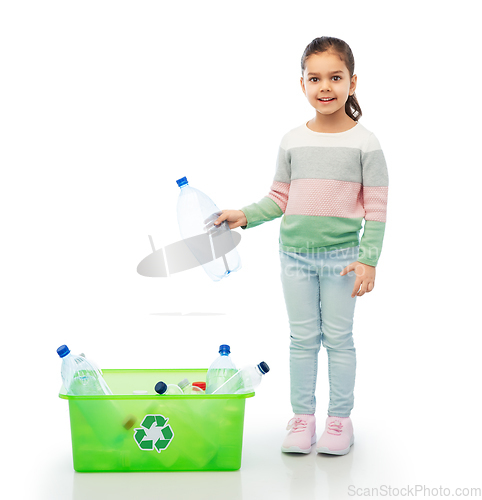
point(337, 437)
point(302, 434)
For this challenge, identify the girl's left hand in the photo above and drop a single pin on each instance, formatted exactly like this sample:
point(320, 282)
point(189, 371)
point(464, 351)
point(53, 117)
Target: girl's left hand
point(365, 277)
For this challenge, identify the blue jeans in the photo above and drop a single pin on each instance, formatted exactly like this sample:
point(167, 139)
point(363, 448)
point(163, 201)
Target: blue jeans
point(320, 311)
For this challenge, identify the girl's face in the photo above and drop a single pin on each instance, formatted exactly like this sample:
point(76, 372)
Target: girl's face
point(326, 76)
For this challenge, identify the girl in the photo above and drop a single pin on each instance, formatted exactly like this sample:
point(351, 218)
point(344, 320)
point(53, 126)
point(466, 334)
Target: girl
point(330, 175)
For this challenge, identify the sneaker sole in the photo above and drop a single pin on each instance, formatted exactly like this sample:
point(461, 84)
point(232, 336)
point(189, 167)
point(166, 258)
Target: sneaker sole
point(336, 452)
point(296, 449)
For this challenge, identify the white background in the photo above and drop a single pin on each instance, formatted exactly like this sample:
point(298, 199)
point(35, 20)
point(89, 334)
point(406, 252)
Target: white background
point(105, 104)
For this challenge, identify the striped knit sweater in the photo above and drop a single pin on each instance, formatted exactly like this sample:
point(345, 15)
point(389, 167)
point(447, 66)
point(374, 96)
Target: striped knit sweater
point(325, 185)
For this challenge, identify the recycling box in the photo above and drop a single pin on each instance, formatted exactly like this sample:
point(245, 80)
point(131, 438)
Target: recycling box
point(125, 432)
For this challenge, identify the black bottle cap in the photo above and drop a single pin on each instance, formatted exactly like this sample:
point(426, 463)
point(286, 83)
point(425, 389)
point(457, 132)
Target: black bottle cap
point(161, 387)
point(264, 367)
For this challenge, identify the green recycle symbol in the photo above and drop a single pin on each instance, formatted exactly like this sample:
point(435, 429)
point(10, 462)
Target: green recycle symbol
point(150, 436)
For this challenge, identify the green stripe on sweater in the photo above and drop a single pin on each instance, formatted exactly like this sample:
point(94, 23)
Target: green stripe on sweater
point(305, 233)
point(308, 233)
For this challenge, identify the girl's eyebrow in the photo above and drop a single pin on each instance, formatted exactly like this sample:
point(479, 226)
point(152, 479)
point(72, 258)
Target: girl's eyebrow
point(332, 73)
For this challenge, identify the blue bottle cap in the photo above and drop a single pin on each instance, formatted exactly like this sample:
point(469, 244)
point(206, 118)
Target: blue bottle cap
point(224, 349)
point(63, 350)
point(182, 181)
point(263, 366)
point(161, 387)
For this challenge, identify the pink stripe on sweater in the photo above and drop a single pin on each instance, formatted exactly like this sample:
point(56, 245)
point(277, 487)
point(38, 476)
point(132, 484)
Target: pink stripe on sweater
point(279, 194)
point(325, 197)
point(375, 202)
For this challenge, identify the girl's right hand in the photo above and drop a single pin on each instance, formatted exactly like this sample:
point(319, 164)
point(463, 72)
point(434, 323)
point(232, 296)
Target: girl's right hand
point(235, 218)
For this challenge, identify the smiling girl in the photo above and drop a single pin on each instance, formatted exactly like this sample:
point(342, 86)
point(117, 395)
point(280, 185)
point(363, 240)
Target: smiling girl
point(330, 175)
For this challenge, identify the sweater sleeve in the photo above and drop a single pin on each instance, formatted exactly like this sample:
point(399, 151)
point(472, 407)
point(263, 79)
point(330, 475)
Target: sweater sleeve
point(273, 205)
point(375, 196)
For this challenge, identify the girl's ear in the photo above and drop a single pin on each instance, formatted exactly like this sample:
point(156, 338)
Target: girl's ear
point(302, 85)
point(353, 81)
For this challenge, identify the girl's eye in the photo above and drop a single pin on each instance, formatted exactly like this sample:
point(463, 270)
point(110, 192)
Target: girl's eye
point(315, 78)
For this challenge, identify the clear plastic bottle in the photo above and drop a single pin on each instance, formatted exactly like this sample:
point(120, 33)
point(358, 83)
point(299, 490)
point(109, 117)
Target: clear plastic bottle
point(92, 362)
point(195, 211)
point(220, 370)
point(80, 378)
point(168, 389)
point(244, 380)
point(188, 388)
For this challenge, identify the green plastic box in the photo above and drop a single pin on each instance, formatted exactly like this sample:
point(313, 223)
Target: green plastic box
point(136, 433)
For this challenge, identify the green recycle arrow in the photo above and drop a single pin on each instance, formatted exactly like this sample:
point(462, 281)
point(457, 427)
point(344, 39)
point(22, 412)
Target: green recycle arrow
point(150, 436)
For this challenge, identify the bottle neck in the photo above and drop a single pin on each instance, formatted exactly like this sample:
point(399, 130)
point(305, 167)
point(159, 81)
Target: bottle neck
point(258, 370)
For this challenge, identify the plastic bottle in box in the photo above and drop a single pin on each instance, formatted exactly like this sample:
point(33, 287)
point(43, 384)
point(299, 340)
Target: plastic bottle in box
point(188, 388)
point(80, 378)
point(220, 370)
point(201, 386)
point(168, 389)
point(244, 380)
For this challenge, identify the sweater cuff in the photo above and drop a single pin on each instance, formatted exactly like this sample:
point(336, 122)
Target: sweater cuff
point(371, 242)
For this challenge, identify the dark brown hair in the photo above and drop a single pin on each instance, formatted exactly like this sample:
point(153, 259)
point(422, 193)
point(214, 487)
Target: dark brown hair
point(337, 46)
